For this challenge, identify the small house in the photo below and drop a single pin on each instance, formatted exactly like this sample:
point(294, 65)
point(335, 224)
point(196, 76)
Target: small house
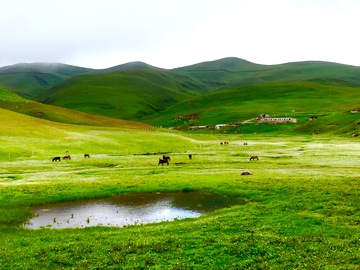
point(218, 126)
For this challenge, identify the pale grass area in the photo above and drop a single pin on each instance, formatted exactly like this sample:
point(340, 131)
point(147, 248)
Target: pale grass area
point(121, 159)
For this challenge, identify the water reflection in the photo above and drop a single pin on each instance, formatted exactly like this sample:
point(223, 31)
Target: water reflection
point(126, 210)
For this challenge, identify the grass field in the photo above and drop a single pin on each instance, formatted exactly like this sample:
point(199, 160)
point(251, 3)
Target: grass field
point(302, 196)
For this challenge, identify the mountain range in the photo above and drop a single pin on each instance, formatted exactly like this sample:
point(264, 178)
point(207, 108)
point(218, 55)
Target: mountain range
point(229, 90)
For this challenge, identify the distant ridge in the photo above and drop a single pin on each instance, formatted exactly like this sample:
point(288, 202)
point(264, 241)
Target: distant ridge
point(57, 68)
point(128, 66)
point(32, 79)
point(224, 64)
point(226, 90)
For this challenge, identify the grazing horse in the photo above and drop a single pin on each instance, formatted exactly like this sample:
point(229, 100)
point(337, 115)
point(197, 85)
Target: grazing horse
point(86, 156)
point(254, 157)
point(245, 173)
point(67, 157)
point(162, 161)
point(56, 159)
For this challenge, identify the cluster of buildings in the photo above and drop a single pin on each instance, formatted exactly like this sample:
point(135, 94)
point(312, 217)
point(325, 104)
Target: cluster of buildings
point(262, 118)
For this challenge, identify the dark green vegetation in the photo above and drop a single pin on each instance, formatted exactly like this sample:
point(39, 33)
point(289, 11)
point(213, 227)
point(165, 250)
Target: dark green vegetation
point(13, 102)
point(129, 94)
point(229, 90)
point(29, 80)
point(302, 209)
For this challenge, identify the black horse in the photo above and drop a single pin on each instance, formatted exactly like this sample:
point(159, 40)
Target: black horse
point(56, 159)
point(86, 156)
point(162, 161)
point(166, 157)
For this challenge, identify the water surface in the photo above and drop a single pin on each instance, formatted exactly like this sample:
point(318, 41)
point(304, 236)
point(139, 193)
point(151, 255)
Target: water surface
point(133, 209)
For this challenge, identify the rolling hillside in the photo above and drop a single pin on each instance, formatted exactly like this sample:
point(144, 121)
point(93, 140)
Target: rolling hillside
point(234, 72)
point(229, 90)
point(224, 91)
point(132, 94)
point(13, 102)
point(300, 100)
point(29, 80)
point(32, 79)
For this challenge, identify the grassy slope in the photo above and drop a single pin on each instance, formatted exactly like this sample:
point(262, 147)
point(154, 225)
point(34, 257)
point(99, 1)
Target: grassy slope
point(239, 90)
point(20, 133)
point(294, 99)
point(130, 94)
point(233, 72)
point(30, 80)
point(158, 96)
point(13, 102)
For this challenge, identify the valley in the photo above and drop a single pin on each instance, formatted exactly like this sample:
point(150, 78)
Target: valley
point(301, 206)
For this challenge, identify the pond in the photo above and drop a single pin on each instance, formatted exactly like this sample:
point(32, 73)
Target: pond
point(131, 209)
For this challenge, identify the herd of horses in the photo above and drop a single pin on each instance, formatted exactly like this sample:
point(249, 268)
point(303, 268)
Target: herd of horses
point(162, 161)
point(68, 157)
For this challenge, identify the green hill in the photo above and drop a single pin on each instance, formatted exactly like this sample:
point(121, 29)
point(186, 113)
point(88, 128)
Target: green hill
point(132, 94)
point(276, 99)
point(13, 102)
point(29, 80)
point(229, 90)
point(127, 66)
point(234, 72)
point(300, 100)
point(32, 79)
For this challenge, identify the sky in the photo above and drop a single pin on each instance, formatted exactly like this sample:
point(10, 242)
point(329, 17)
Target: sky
point(176, 33)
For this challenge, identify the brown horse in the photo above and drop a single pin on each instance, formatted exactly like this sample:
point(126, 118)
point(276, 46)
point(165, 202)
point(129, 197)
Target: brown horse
point(254, 158)
point(56, 159)
point(245, 173)
point(86, 156)
point(162, 161)
point(67, 157)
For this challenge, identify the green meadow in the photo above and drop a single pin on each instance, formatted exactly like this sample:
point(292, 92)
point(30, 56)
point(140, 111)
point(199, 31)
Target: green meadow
point(301, 211)
point(302, 195)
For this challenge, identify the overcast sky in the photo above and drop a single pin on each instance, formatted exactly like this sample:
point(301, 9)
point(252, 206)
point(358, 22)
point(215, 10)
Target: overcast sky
point(175, 33)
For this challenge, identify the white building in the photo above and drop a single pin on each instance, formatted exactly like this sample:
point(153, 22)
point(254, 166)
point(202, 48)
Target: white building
point(276, 120)
point(218, 126)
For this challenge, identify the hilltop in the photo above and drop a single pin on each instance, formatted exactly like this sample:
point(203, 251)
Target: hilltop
point(234, 72)
point(131, 94)
point(29, 80)
point(32, 79)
